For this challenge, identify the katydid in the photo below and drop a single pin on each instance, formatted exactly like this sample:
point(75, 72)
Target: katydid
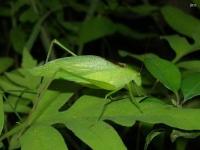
point(91, 71)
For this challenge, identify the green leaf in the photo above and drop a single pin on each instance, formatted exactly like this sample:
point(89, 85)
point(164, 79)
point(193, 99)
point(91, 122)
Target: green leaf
point(193, 65)
point(1, 114)
point(150, 137)
point(154, 112)
point(42, 138)
point(180, 45)
point(99, 136)
point(23, 78)
point(95, 28)
point(5, 63)
point(47, 111)
point(18, 39)
point(29, 16)
point(143, 10)
point(16, 104)
point(28, 61)
point(182, 22)
point(191, 86)
point(81, 118)
point(165, 71)
point(14, 89)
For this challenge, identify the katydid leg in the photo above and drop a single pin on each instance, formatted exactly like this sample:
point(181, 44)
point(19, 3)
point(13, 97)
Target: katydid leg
point(59, 44)
point(132, 99)
point(107, 103)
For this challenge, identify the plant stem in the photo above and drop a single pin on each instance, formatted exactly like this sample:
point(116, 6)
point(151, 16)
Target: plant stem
point(178, 104)
point(12, 131)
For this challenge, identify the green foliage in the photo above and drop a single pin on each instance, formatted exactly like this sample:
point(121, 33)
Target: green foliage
point(5, 63)
point(191, 86)
point(36, 136)
point(170, 76)
point(1, 114)
point(188, 26)
point(98, 27)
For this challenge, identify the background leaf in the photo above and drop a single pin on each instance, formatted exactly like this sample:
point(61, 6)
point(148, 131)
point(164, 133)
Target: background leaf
point(182, 22)
point(180, 45)
point(18, 39)
point(145, 9)
point(191, 86)
point(165, 71)
point(1, 114)
point(5, 63)
point(95, 28)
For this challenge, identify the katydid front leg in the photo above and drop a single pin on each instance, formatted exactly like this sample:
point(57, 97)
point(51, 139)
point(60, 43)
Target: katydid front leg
point(107, 103)
point(132, 99)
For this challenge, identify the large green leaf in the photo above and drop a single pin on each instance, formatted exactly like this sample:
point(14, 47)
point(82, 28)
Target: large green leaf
point(95, 28)
point(191, 86)
point(1, 114)
point(122, 112)
point(81, 118)
point(154, 111)
point(165, 71)
point(40, 137)
point(182, 22)
point(5, 63)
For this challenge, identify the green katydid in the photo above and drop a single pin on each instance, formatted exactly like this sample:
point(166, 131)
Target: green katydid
point(89, 70)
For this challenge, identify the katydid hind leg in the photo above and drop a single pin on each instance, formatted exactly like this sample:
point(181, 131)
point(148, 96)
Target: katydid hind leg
point(56, 42)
